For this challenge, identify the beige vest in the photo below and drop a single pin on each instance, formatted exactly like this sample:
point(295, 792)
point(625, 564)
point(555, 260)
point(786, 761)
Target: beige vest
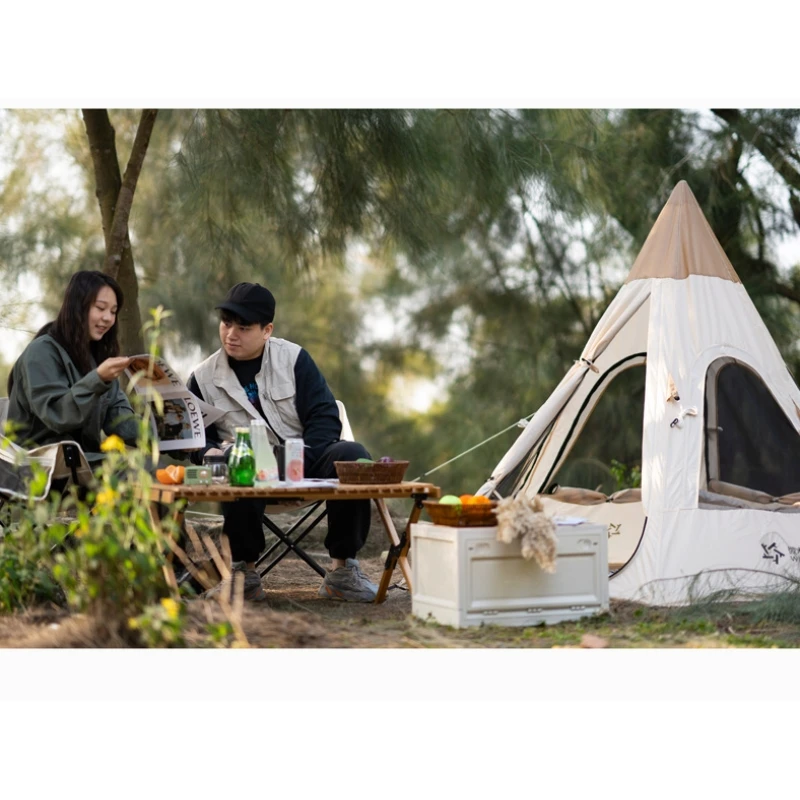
point(276, 389)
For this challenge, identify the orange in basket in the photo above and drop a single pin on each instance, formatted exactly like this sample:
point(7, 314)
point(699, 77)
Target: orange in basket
point(471, 515)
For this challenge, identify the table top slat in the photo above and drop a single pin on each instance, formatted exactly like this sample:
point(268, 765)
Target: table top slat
point(164, 493)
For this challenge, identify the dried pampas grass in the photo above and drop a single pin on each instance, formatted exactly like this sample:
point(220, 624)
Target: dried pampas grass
point(523, 518)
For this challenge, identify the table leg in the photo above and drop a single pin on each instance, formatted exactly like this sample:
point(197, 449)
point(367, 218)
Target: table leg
point(398, 552)
point(155, 519)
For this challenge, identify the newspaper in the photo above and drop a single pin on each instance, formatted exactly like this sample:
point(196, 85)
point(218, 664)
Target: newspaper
point(185, 418)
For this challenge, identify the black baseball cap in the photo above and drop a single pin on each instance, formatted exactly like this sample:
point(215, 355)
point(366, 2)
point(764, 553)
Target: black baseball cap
point(250, 301)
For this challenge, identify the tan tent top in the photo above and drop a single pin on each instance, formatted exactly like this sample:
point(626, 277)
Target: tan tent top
point(681, 243)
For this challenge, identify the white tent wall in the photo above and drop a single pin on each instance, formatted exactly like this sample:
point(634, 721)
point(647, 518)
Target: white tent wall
point(625, 523)
point(688, 553)
point(693, 322)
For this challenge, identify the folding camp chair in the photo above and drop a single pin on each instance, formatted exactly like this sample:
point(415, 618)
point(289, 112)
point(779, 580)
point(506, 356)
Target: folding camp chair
point(292, 537)
point(64, 463)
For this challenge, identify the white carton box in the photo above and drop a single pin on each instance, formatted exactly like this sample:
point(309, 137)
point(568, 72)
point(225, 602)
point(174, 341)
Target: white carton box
point(464, 576)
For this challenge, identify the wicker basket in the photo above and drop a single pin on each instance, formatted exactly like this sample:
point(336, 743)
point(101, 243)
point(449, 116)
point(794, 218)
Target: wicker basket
point(465, 516)
point(377, 472)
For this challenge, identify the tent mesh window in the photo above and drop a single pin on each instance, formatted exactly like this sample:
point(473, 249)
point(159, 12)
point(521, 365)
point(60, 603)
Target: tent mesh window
point(749, 440)
point(603, 450)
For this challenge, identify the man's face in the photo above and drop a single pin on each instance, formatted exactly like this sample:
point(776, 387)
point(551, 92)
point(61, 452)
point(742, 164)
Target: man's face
point(243, 342)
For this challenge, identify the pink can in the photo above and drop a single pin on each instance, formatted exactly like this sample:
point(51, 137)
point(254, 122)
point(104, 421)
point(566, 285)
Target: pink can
point(293, 460)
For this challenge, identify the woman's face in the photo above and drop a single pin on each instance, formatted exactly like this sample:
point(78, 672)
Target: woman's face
point(102, 313)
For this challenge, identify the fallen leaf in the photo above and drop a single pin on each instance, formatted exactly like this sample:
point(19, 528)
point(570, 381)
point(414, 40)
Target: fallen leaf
point(591, 641)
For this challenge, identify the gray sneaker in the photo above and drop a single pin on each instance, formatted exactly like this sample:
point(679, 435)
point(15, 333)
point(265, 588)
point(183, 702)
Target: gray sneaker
point(348, 583)
point(253, 589)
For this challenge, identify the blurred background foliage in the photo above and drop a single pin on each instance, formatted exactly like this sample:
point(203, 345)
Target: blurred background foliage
point(443, 267)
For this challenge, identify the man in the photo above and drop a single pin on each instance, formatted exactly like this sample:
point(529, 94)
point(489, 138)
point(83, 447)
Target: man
point(256, 375)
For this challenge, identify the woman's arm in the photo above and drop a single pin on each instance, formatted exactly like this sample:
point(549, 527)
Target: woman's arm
point(42, 376)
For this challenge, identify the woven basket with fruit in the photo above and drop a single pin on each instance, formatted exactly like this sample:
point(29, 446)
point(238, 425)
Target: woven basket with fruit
point(468, 511)
point(367, 471)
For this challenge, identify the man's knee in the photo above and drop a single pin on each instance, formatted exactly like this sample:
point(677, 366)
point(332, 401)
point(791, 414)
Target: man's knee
point(348, 451)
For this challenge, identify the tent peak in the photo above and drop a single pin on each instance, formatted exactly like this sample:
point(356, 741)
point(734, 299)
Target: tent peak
point(681, 243)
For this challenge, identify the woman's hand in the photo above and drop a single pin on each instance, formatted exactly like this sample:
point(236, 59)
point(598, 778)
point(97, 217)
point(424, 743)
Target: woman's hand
point(112, 368)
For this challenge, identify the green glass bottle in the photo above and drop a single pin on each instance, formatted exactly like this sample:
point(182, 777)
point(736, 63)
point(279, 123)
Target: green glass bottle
point(242, 460)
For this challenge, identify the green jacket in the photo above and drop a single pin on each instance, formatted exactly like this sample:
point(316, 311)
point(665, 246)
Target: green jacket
point(51, 401)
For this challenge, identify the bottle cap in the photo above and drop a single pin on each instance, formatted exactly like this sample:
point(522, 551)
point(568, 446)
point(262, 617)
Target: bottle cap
point(242, 430)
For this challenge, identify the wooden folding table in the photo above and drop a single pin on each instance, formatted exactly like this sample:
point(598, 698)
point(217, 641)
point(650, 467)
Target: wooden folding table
point(379, 493)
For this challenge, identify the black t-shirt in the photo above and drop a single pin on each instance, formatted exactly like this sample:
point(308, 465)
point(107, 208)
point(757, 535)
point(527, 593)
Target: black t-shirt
point(246, 372)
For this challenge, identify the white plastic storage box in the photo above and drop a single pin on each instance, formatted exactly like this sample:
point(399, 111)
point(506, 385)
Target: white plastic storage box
point(464, 576)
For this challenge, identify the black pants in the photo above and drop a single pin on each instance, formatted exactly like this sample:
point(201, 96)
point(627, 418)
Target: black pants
point(348, 520)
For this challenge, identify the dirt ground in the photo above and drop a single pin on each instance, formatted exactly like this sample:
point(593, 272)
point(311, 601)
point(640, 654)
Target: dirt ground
point(295, 617)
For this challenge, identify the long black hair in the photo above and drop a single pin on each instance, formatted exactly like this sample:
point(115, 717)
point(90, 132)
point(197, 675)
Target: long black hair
point(71, 327)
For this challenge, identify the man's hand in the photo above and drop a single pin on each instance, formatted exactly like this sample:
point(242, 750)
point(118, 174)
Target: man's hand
point(213, 451)
point(113, 367)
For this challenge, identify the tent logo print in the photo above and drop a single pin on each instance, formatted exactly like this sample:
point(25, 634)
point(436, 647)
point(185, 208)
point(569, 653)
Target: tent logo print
point(773, 548)
point(771, 552)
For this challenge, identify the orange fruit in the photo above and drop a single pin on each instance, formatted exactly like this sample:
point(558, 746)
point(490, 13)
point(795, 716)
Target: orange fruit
point(480, 500)
point(177, 471)
point(466, 499)
point(171, 475)
point(163, 476)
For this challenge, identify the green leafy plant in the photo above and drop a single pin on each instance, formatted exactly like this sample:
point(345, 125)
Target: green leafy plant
point(116, 567)
point(220, 634)
point(626, 477)
point(161, 624)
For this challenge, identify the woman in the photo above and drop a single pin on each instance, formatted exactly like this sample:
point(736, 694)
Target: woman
point(64, 385)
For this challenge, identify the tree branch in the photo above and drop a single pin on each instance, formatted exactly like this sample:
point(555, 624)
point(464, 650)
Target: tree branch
point(119, 226)
point(768, 148)
point(558, 259)
point(789, 292)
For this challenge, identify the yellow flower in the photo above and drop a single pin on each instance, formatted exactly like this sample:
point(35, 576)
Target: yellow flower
point(81, 530)
point(171, 607)
point(133, 623)
point(113, 442)
point(107, 498)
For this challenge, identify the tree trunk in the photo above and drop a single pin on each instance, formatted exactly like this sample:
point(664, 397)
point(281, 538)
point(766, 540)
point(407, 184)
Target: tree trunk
point(109, 186)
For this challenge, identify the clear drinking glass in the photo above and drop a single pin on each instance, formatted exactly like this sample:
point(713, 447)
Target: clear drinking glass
point(219, 468)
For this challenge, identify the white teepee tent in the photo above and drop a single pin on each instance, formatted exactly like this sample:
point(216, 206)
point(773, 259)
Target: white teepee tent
point(721, 435)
